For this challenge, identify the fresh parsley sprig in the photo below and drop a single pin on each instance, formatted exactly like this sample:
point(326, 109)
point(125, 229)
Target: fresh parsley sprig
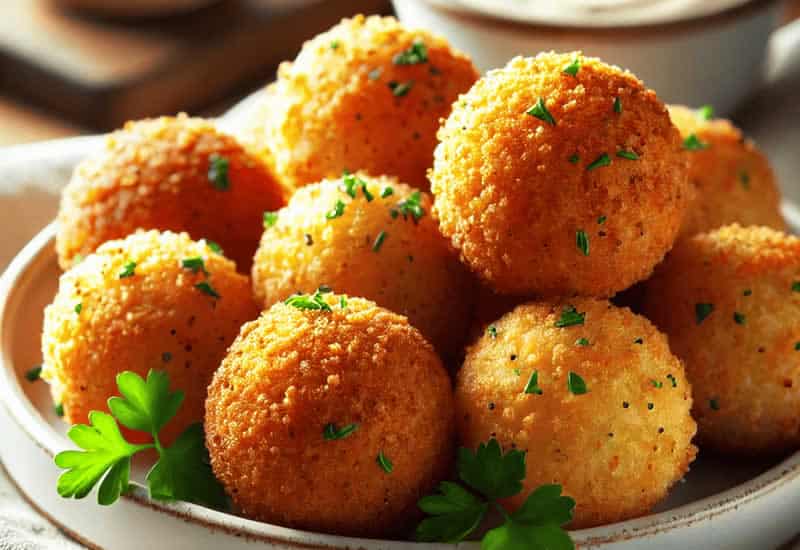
point(310, 301)
point(456, 511)
point(182, 471)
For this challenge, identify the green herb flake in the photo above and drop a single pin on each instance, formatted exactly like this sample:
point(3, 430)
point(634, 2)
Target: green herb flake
point(215, 247)
point(310, 301)
point(739, 318)
point(599, 162)
point(78, 308)
point(671, 378)
point(797, 346)
point(657, 384)
point(336, 212)
point(206, 288)
point(796, 286)
point(706, 112)
point(714, 403)
point(343, 301)
point(532, 386)
point(574, 158)
point(693, 143)
point(539, 110)
point(744, 179)
point(335, 44)
point(492, 331)
point(573, 68)
point(617, 105)
point(269, 219)
point(601, 220)
point(570, 317)
point(412, 205)
point(575, 384)
point(628, 155)
point(400, 89)
point(32, 375)
point(218, 172)
point(582, 242)
point(702, 310)
point(129, 270)
point(582, 342)
point(58, 408)
point(384, 462)
point(387, 191)
point(747, 292)
point(195, 264)
point(639, 341)
point(376, 246)
point(332, 433)
point(416, 54)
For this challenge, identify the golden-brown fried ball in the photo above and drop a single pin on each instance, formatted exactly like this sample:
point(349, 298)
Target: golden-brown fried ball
point(133, 305)
point(308, 401)
point(170, 173)
point(365, 95)
point(733, 180)
point(618, 447)
point(382, 244)
point(553, 184)
point(729, 300)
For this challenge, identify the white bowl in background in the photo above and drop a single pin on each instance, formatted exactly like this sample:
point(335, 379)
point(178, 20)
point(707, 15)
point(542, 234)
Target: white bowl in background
point(709, 52)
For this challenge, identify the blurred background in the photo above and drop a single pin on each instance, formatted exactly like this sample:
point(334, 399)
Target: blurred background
point(70, 67)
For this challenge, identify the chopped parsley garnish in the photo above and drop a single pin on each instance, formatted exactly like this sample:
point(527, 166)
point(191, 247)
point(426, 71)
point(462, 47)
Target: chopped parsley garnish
point(129, 270)
point(336, 211)
point(573, 68)
point(639, 341)
point(747, 292)
point(270, 218)
point(617, 105)
point(58, 408)
point(332, 433)
point(582, 242)
point(693, 143)
point(376, 246)
point(384, 462)
point(657, 383)
point(532, 385)
point(387, 191)
point(796, 348)
point(492, 331)
point(671, 378)
point(182, 471)
point(375, 73)
point(575, 384)
point(706, 112)
point(629, 155)
point(702, 310)
point(194, 264)
point(744, 179)
point(796, 286)
point(78, 308)
point(214, 247)
point(353, 183)
point(601, 220)
point(582, 342)
point(455, 511)
point(411, 205)
point(218, 172)
point(33, 374)
point(540, 111)
point(574, 158)
point(417, 53)
point(602, 160)
point(570, 317)
point(517, 372)
point(343, 301)
point(310, 301)
point(206, 288)
point(335, 44)
point(739, 318)
point(399, 89)
point(714, 403)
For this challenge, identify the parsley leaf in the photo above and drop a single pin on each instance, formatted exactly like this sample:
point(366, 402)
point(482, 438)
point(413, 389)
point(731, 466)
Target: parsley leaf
point(412, 205)
point(490, 472)
point(384, 462)
point(492, 331)
point(570, 317)
point(617, 105)
point(540, 111)
point(456, 513)
point(194, 264)
point(514, 535)
point(78, 308)
point(128, 270)
point(628, 155)
point(417, 53)
point(602, 160)
point(332, 433)
point(706, 112)
point(336, 212)
point(206, 288)
point(400, 89)
point(582, 342)
point(574, 158)
point(145, 405)
point(311, 302)
point(573, 68)
point(270, 218)
point(214, 247)
point(34, 374)
point(693, 143)
point(739, 318)
point(353, 183)
point(376, 246)
point(582, 242)
point(575, 384)
point(387, 191)
point(533, 384)
point(218, 172)
point(702, 310)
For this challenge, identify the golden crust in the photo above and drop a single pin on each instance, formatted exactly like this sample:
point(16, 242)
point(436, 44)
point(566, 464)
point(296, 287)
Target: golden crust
point(334, 108)
point(292, 372)
point(512, 202)
point(155, 319)
point(733, 179)
point(616, 461)
point(746, 373)
point(153, 174)
point(413, 272)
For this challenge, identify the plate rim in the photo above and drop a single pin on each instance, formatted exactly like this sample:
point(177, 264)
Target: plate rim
point(22, 412)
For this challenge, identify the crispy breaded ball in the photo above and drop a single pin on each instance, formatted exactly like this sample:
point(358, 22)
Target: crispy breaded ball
point(733, 179)
point(133, 305)
point(335, 421)
point(169, 173)
point(553, 184)
point(618, 447)
point(729, 300)
point(382, 244)
point(365, 95)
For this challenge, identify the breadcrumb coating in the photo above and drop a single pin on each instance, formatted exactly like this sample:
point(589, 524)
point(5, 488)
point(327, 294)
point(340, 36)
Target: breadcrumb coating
point(733, 179)
point(293, 372)
point(102, 322)
point(617, 448)
point(154, 174)
point(375, 249)
point(345, 103)
point(729, 300)
point(531, 182)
